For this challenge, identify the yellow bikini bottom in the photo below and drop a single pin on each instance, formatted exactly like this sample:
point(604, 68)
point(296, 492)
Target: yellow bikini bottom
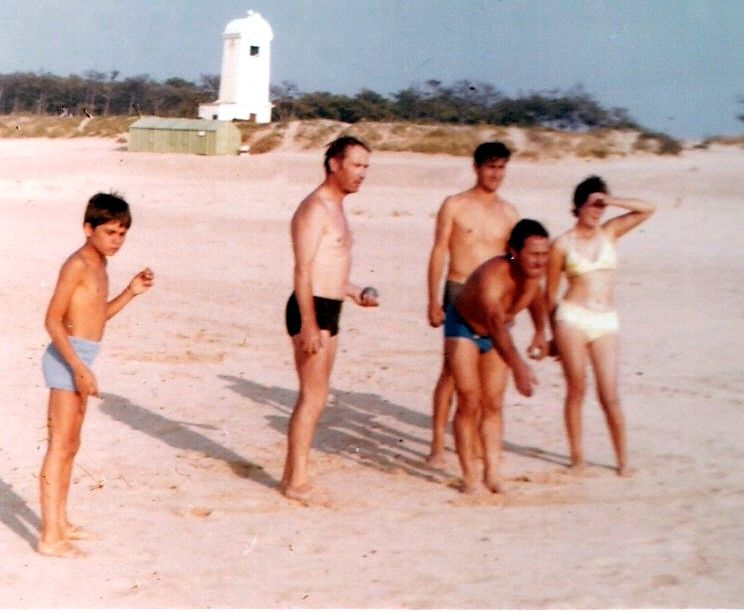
point(594, 323)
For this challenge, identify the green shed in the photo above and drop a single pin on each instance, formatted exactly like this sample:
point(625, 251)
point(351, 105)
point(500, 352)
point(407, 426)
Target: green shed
point(200, 136)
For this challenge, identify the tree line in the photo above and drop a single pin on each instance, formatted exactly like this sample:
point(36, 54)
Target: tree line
point(103, 94)
point(463, 102)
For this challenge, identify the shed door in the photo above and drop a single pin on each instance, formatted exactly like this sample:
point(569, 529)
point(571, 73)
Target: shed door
point(201, 142)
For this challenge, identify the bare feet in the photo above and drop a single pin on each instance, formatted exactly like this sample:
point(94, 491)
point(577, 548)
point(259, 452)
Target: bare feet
point(62, 549)
point(493, 484)
point(436, 459)
point(74, 532)
point(577, 468)
point(469, 487)
point(301, 493)
point(625, 472)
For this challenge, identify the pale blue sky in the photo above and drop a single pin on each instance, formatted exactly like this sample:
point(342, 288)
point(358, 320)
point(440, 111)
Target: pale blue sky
point(676, 65)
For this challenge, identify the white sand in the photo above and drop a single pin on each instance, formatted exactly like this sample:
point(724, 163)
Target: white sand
point(180, 458)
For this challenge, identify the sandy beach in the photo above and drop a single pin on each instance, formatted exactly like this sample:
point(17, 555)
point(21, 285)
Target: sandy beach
point(181, 456)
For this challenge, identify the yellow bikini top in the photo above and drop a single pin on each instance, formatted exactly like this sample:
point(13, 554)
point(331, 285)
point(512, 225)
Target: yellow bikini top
point(577, 264)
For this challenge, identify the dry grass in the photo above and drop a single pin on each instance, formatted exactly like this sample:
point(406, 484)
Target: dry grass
point(597, 145)
point(317, 133)
point(539, 143)
point(107, 126)
point(250, 131)
point(269, 142)
point(261, 138)
point(727, 141)
point(660, 144)
point(23, 126)
point(460, 140)
point(369, 132)
point(426, 138)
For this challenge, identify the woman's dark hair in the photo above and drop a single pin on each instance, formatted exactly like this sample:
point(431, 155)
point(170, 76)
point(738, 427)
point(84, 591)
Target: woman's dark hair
point(585, 188)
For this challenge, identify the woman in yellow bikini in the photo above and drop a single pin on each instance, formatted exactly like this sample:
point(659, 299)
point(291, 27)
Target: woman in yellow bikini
point(584, 322)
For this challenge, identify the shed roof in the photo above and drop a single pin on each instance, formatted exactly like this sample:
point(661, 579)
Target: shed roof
point(161, 123)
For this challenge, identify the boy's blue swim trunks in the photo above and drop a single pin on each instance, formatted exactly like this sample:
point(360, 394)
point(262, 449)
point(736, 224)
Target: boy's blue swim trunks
point(57, 374)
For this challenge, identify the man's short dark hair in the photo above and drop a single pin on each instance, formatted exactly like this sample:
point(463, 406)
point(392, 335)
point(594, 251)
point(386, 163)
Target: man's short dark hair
point(488, 151)
point(337, 149)
point(585, 188)
point(105, 207)
point(525, 228)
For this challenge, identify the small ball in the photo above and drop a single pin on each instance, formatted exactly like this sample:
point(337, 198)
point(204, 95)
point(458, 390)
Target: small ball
point(370, 292)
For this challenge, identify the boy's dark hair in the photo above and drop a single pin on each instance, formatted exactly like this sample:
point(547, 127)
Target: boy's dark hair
point(585, 188)
point(525, 228)
point(487, 151)
point(337, 149)
point(105, 207)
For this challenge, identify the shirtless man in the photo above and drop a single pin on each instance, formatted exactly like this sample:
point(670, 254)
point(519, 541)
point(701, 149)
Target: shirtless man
point(321, 241)
point(471, 227)
point(476, 324)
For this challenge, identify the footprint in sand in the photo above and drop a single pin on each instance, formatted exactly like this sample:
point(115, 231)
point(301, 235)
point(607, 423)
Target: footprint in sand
point(200, 512)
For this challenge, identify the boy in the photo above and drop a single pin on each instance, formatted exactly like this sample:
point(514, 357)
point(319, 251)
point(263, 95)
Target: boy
point(75, 320)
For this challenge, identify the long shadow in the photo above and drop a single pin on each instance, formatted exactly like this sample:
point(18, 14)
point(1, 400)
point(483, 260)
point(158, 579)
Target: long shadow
point(351, 426)
point(16, 515)
point(359, 426)
point(179, 434)
point(548, 456)
point(536, 453)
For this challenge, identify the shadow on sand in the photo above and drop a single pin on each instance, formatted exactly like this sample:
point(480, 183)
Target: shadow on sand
point(180, 435)
point(536, 453)
point(355, 426)
point(17, 516)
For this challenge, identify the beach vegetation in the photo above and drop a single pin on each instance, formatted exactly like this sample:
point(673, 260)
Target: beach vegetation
point(464, 103)
point(657, 142)
point(428, 117)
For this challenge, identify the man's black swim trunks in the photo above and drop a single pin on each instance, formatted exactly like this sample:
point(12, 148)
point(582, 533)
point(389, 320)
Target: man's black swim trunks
point(327, 314)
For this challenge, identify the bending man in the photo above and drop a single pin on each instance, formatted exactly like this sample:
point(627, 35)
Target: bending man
point(480, 350)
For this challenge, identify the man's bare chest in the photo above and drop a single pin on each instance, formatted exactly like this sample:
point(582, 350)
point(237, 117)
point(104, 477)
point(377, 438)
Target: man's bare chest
point(336, 235)
point(480, 228)
point(518, 300)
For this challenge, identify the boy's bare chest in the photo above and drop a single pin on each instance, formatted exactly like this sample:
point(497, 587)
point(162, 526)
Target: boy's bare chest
point(95, 286)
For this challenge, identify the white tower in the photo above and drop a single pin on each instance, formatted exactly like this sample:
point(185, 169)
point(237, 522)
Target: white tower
point(244, 83)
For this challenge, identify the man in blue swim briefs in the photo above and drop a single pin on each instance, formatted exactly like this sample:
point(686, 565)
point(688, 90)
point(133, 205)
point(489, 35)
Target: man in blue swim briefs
point(321, 241)
point(75, 320)
point(480, 349)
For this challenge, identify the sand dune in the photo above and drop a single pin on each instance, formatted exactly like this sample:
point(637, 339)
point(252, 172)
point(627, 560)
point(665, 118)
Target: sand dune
point(181, 455)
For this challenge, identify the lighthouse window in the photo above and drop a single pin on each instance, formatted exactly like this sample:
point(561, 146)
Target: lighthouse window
point(254, 50)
